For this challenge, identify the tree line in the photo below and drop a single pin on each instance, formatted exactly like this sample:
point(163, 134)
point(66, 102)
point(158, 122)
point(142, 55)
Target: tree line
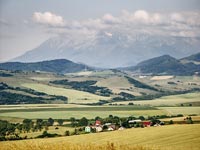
point(7, 97)
point(12, 131)
point(87, 86)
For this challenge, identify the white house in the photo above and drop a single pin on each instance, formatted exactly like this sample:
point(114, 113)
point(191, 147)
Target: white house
point(98, 129)
point(110, 129)
point(135, 121)
point(87, 129)
point(121, 128)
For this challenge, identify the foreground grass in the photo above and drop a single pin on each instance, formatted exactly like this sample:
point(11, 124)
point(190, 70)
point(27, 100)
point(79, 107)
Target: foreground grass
point(70, 146)
point(173, 137)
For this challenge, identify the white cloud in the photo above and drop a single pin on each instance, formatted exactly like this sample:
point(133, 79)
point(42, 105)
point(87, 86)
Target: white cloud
point(109, 19)
point(177, 17)
point(141, 15)
point(48, 18)
point(156, 18)
point(184, 24)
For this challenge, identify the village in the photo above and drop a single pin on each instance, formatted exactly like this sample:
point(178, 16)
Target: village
point(114, 123)
point(98, 126)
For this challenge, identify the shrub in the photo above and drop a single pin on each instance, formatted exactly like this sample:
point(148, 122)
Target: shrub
point(46, 134)
point(67, 133)
point(130, 103)
point(171, 122)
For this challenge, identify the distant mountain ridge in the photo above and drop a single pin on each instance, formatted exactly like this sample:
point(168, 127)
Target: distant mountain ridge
point(195, 57)
point(57, 66)
point(167, 65)
point(118, 50)
point(158, 65)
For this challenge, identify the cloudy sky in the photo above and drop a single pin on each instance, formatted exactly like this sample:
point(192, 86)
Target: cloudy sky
point(25, 24)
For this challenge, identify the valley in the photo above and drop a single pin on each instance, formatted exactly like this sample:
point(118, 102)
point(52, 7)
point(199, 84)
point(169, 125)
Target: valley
point(43, 103)
point(100, 75)
point(99, 87)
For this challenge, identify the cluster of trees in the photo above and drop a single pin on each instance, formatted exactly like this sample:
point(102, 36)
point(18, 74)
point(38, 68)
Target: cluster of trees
point(3, 74)
point(127, 96)
point(6, 129)
point(46, 134)
point(139, 84)
point(100, 102)
point(11, 131)
point(3, 86)
point(123, 96)
point(87, 86)
point(14, 98)
point(7, 97)
point(170, 82)
point(153, 96)
point(79, 122)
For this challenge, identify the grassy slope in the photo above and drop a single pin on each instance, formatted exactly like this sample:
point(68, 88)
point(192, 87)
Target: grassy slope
point(74, 96)
point(61, 131)
point(79, 112)
point(181, 110)
point(118, 84)
point(194, 118)
point(114, 82)
point(169, 100)
point(181, 85)
point(173, 137)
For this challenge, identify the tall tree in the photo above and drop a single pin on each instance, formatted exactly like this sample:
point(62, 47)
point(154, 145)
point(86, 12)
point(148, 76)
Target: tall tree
point(27, 124)
point(50, 122)
point(83, 121)
point(39, 124)
point(60, 122)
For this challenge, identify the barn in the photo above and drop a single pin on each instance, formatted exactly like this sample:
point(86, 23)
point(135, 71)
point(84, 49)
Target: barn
point(97, 123)
point(146, 123)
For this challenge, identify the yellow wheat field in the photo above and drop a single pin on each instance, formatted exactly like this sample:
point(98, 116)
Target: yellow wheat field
point(70, 146)
point(171, 137)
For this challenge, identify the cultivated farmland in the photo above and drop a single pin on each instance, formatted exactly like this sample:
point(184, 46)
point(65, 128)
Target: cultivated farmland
point(73, 95)
point(172, 137)
point(79, 112)
point(174, 100)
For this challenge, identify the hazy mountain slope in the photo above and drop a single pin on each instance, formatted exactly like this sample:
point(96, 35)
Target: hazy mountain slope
point(111, 51)
point(194, 57)
point(57, 66)
point(165, 65)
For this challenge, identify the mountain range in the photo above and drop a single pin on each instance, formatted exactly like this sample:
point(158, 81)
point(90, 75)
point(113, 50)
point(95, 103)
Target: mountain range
point(60, 66)
point(158, 65)
point(111, 50)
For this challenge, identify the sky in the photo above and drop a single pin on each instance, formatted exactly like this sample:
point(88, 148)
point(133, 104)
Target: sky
point(25, 24)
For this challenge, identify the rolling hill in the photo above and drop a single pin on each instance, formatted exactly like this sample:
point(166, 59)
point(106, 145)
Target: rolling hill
point(167, 65)
point(57, 66)
point(195, 57)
